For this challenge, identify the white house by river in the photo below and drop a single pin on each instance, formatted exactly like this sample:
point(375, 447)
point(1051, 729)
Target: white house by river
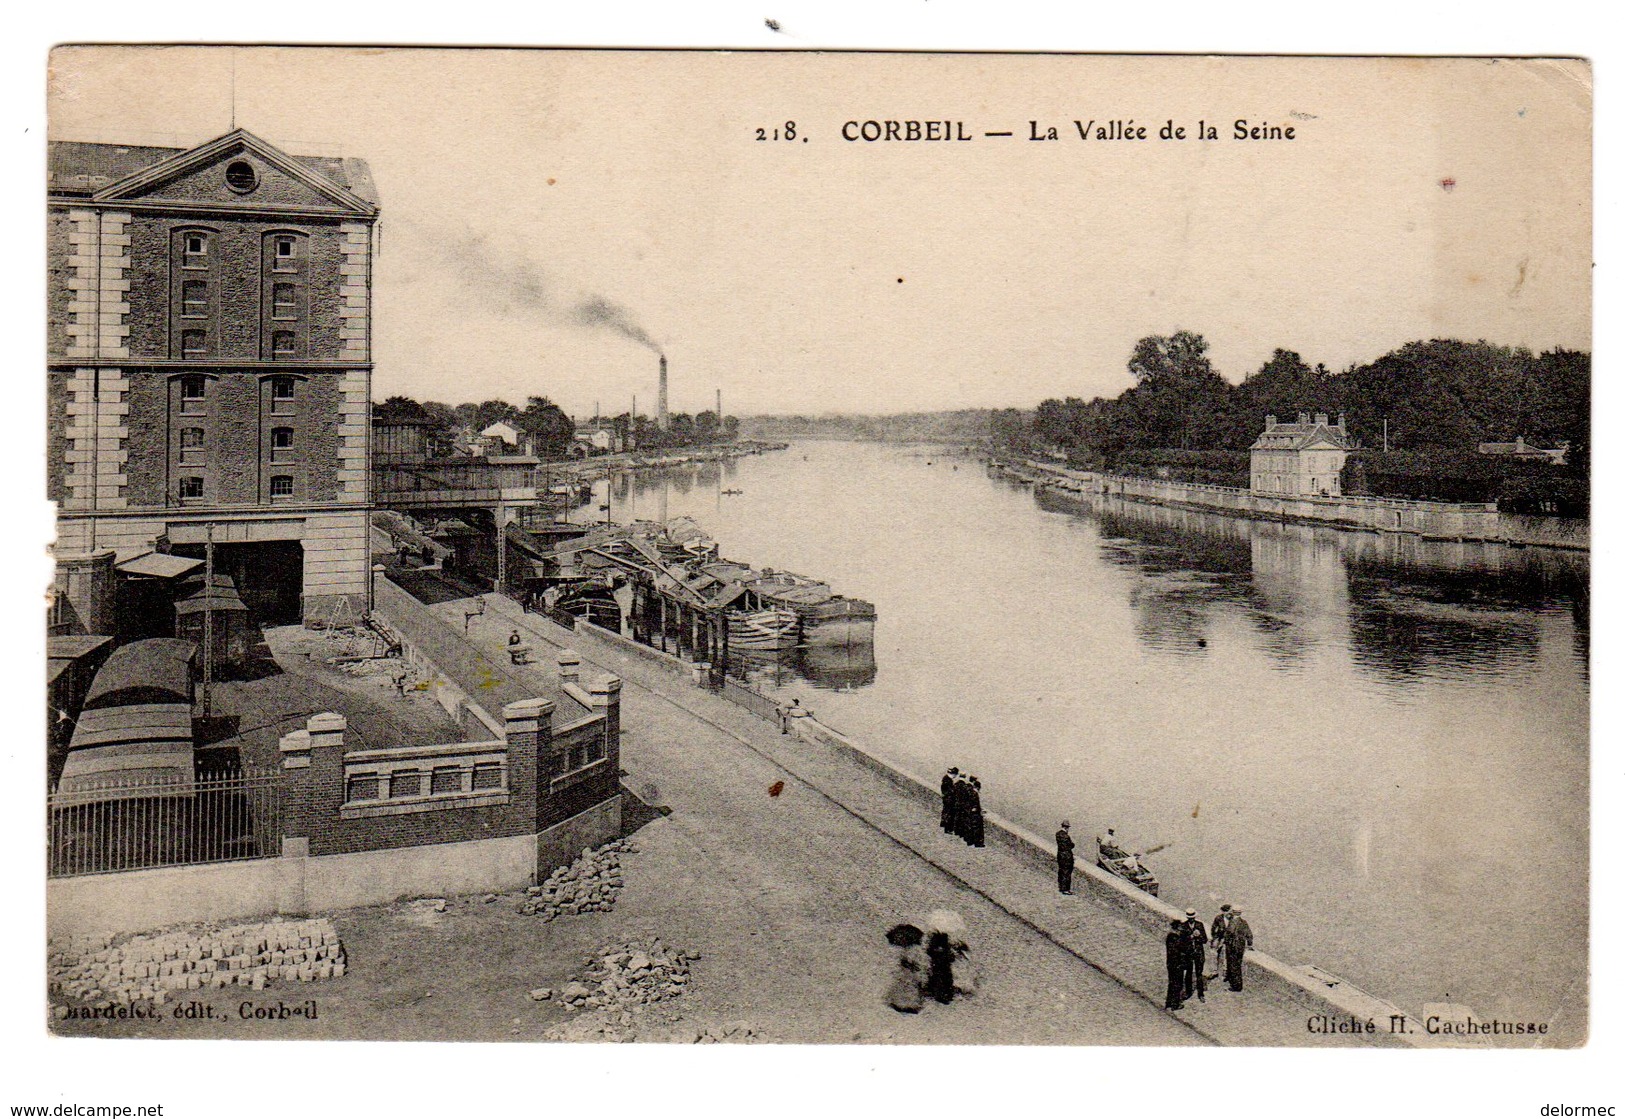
point(1302, 459)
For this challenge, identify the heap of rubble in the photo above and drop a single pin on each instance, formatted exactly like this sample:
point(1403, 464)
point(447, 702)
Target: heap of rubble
point(629, 974)
point(101, 972)
point(587, 885)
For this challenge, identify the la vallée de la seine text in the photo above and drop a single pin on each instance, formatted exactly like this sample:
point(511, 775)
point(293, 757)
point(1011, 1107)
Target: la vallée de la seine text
point(1087, 131)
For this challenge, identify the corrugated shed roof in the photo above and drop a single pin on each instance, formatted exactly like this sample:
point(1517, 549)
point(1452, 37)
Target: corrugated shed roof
point(133, 726)
point(215, 598)
point(160, 566)
point(156, 670)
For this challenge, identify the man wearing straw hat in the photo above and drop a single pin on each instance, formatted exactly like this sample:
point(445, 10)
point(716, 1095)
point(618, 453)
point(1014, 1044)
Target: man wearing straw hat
point(1195, 956)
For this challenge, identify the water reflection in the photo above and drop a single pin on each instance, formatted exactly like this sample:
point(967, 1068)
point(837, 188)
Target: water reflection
point(1352, 734)
point(1407, 608)
point(835, 668)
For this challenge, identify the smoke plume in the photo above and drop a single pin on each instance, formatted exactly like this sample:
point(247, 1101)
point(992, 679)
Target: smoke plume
point(513, 286)
point(597, 312)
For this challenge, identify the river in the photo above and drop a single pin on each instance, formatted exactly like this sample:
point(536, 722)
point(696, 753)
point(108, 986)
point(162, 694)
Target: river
point(1376, 746)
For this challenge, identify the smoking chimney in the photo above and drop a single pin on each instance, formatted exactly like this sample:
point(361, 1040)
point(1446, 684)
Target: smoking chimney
point(660, 408)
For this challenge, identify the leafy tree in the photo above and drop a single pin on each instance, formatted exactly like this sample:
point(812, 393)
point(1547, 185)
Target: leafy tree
point(1178, 399)
point(398, 408)
point(550, 430)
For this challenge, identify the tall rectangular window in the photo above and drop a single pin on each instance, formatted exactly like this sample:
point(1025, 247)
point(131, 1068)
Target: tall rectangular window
point(195, 250)
point(281, 395)
point(194, 343)
point(284, 255)
point(282, 444)
point(284, 301)
point(195, 299)
point(193, 387)
point(191, 446)
point(284, 344)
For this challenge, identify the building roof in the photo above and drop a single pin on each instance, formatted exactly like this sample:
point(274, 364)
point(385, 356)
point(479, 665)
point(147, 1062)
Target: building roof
point(157, 565)
point(1301, 436)
point(156, 670)
point(79, 169)
point(136, 725)
point(212, 598)
point(65, 649)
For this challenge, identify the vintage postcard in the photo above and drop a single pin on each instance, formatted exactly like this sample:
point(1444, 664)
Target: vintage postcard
point(772, 547)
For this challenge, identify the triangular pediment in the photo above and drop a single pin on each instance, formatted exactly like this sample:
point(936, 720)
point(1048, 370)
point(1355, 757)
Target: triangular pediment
point(237, 170)
point(1323, 440)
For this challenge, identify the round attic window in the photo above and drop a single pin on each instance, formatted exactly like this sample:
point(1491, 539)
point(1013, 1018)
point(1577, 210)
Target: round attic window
point(241, 177)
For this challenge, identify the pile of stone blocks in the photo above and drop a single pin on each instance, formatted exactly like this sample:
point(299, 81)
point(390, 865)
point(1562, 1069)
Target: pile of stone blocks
point(101, 972)
point(587, 885)
point(630, 974)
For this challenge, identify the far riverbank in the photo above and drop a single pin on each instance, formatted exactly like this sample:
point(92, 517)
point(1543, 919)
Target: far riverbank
point(1431, 520)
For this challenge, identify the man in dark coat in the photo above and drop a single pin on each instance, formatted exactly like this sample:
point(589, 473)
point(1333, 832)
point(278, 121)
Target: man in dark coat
point(1221, 922)
point(939, 980)
point(1195, 956)
point(1175, 945)
point(949, 780)
point(1238, 937)
point(1064, 848)
point(973, 812)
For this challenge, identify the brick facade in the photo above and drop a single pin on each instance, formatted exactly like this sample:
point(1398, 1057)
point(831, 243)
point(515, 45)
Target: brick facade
point(320, 805)
point(209, 345)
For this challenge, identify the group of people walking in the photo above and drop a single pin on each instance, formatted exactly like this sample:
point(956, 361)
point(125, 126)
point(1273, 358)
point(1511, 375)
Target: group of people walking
point(1186, 946)
point(932, 963)
point(962, 806)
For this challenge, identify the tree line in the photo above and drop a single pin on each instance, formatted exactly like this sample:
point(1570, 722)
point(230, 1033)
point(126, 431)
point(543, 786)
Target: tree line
point(549, 428)
point(1417, 413)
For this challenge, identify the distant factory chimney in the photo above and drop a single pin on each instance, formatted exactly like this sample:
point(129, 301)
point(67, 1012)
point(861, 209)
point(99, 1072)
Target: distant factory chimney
point(660, 408)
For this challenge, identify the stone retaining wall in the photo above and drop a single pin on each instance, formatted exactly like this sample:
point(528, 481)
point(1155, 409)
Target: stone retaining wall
point(1429, 519)
point(1039, 855)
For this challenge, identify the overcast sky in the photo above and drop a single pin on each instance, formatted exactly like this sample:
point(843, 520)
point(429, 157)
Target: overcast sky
point(1419, 199)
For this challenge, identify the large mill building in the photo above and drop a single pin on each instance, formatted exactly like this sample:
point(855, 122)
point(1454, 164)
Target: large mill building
point(210, 371)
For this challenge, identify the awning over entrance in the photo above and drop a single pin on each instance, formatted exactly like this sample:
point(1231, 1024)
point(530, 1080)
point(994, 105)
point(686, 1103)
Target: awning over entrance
point(65, 650)
point(157, 565)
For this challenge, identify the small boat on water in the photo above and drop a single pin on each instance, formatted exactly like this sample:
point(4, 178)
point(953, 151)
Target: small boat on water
point(731, 493)
point(593, 600)
point(826, 617)
point(773, 628)
point(1126, 866)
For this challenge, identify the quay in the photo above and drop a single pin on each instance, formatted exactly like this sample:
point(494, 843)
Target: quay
point(1431, 520)
point(853, 846)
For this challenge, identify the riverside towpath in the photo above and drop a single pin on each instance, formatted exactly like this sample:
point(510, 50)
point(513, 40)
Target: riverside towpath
point(810, 879)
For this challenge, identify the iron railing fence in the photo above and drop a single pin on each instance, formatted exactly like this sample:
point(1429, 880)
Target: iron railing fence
point(106, 826)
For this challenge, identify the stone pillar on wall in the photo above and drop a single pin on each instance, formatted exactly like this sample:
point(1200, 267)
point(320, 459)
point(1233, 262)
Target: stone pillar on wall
point(569, 666)
point(606, 697)
point(528, 726)
point(312, 778)
point(88, 584)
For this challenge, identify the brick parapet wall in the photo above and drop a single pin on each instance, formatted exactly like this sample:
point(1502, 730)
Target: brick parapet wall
point(316, 760)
